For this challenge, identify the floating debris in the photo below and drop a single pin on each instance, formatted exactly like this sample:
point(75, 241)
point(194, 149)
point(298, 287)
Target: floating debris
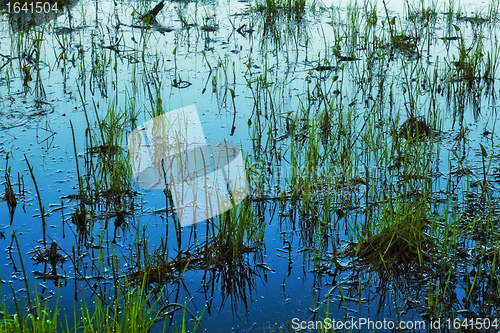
point(151, 15)
point(49, 256)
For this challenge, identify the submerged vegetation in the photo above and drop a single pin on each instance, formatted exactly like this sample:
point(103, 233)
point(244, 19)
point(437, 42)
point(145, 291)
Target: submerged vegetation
point(370, 141)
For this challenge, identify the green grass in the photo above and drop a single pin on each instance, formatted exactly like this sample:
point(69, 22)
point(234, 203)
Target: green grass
point(132, 309)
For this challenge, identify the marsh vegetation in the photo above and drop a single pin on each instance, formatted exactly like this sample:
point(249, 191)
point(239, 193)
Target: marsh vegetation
point(370, 145)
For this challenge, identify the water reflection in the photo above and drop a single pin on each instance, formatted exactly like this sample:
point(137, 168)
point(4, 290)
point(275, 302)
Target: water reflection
point(235, 282)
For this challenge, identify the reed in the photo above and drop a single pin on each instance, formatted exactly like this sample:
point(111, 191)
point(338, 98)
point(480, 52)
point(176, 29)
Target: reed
point(42, 208)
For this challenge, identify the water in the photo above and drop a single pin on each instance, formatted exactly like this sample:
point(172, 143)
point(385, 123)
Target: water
point(66, 74)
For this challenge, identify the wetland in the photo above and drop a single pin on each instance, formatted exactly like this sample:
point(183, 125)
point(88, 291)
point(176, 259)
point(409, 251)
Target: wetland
point(367, 135)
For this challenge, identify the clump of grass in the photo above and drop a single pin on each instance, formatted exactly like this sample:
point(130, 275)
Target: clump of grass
point(232, 235)
point(286, 7)
point(238, 232)
point(474, 63)
point(398, 241)
point(469, 61)
point(414, 128)
point(422, 14)
point(108, 171)
point(402, 41)
point(402, 245)
point(405, 43)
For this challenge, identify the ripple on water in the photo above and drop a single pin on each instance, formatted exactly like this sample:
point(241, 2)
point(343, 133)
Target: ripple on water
point(13, 118)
